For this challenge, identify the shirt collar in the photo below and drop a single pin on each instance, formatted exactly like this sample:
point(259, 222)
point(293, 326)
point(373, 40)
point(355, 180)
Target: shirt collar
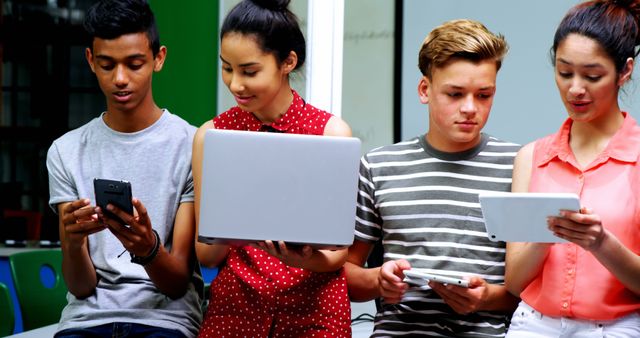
point(624, 146)
point(455, 156)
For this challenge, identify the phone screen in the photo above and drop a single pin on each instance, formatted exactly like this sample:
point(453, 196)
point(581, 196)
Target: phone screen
point(113, 192)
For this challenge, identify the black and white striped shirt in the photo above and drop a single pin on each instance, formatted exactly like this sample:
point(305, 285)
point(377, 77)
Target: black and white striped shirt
point(423, 204)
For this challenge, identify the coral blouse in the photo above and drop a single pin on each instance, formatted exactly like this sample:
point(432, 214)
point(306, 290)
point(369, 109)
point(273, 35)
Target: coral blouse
point(573, 283)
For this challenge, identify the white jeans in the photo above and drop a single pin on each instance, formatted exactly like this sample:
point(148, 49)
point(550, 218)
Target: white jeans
point(529, 323)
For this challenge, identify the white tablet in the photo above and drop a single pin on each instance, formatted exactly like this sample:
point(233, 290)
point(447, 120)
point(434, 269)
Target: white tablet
point(522, 217)
point(421, 278)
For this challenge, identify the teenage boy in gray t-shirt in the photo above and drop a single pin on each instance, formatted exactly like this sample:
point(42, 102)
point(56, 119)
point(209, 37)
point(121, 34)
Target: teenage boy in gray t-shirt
point(155, 288)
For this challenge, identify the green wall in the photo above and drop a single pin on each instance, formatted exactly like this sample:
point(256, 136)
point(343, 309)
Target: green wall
point(187, 83)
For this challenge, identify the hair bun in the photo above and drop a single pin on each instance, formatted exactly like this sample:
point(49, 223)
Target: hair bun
point(273, 5)
point(623, 3)
point(632, 6)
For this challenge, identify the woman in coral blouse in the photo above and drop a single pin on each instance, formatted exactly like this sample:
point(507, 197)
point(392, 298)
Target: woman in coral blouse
point(589, 286)
point(270, 289)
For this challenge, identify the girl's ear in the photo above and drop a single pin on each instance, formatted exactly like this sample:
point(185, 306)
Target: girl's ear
point(289, 64)
point(625, 75)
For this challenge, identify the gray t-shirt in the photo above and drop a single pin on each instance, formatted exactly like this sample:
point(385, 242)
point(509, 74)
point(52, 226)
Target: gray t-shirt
point(157, 162)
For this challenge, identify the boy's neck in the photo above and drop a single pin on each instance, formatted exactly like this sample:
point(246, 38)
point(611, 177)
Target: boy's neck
point(451, 147)
point(133, 120)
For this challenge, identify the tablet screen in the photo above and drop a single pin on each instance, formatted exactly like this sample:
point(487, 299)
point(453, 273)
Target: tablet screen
point(522, 217)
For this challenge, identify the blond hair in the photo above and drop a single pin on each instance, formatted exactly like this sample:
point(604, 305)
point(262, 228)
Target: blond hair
point(461, 38)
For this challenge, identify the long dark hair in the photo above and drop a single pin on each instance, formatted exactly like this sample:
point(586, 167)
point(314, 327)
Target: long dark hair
point(612, 23)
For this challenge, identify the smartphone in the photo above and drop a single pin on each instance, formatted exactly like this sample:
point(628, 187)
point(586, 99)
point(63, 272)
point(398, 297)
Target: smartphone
point(113, 192)
point(421, 278)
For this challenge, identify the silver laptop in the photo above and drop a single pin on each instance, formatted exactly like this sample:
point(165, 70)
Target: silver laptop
point(258, 186)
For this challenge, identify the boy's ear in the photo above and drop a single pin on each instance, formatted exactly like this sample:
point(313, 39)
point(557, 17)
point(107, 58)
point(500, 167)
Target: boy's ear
point(289, 64)
point(88, 54)
point(423, 90)
point(158, 60)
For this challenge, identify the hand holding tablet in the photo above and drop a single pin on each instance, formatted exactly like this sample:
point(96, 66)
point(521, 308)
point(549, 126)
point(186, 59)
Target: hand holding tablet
point(421, 278)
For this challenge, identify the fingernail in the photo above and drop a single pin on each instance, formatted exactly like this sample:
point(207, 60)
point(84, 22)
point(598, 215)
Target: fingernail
point(109, 207)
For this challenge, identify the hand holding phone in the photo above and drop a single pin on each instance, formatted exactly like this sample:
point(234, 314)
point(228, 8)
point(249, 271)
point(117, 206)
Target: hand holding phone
point(113, 192)
point(420, 278)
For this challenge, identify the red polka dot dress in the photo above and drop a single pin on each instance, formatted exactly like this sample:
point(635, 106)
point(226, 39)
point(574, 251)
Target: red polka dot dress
point(255, 294)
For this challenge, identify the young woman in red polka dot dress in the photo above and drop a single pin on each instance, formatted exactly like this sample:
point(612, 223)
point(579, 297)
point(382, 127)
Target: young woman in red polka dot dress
point(270, 289)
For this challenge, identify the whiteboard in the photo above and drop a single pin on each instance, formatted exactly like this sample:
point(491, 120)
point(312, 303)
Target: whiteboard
point(367, 80)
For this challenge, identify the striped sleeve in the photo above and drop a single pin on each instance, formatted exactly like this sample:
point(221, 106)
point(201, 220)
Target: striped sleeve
point(368, 223)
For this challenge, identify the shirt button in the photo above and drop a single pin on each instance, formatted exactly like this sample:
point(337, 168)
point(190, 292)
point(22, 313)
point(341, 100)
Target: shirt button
point(565, 305)
point(570, 272)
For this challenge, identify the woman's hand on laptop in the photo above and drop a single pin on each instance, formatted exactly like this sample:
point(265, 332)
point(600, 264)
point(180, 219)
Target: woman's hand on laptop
point(292, 255)
point(305, 256)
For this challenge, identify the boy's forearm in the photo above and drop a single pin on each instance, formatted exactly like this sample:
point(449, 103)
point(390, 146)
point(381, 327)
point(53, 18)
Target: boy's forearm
point(362, 283)
point(78, 271)
point(170, 274)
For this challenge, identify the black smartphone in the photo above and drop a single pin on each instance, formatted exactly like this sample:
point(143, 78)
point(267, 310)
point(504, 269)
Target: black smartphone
point(113, 192)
